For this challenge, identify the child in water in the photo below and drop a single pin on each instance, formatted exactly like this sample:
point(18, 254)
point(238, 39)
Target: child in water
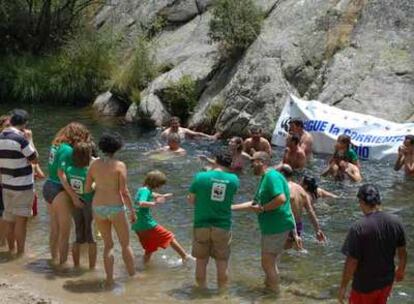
point(152, 235)
point(313, 190)
point(76, 175)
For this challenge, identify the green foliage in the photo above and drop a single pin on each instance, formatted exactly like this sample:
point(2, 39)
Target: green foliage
point(137, 72)
point(181, 97)
point(213, 113)
point(155, 26)
point(75, 74)
point(235, 25)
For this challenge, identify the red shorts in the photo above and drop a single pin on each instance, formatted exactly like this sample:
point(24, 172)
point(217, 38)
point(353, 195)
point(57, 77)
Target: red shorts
point(155, 238)
point(34, 205)
point(379, 296)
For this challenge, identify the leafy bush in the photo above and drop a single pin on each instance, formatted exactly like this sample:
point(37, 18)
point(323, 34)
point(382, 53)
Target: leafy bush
point(137, 72)
point(213, 112)
point(235, 25)
point(181, 97)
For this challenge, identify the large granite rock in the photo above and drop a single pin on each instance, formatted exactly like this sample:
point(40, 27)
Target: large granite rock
point(355, 54)
point(109, 105)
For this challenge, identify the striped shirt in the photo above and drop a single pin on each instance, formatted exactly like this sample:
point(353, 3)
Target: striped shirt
point(15, 153)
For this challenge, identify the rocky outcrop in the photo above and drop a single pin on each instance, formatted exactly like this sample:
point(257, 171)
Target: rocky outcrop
point(107, 104)
point(355, 54)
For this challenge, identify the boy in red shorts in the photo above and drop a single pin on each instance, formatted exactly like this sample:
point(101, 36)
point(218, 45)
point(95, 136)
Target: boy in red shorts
point(151, 235)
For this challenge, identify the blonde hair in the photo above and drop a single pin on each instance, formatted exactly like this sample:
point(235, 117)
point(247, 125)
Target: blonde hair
point(72, 134)
point(155, 179)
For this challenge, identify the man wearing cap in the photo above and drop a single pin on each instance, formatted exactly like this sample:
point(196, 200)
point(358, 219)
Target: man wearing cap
point(272, 204)
point(406, 156)
point(212, 194)
point(370, 248)
point(16, 158)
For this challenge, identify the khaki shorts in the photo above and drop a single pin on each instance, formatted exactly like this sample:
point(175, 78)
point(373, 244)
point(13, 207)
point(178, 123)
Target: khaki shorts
point(211, 242)
point(17, 203)
point(274, 243)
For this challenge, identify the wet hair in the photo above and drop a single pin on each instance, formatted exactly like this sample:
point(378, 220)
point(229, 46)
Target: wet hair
point(175, 118)
point(294, 138)
point(82, 154)
point(94, 149)
point(255, 130)
point(173, 136)
point(369, 194)
point(19, 117)
point(264, 157)
point(239, 142)
point(4, 122)
point(311, 185)
point(286, 170)
point(410, 138)
point(344, 139)
point(155, 179)
point(109, 143)
point(297, 122)
point(72, 134)
point(224, 158)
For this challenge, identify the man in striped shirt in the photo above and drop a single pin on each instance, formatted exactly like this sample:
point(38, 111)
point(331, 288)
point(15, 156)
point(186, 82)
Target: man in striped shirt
point(16, 158)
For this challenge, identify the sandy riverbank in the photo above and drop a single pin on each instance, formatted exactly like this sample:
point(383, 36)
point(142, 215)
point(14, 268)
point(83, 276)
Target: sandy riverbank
point(11, 293)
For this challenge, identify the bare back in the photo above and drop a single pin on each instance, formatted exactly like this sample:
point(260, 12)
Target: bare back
point(107, 175)
point(409, 164)
point(297, 200)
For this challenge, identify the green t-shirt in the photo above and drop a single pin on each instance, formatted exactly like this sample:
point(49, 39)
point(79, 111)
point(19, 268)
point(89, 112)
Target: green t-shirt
point(144, 221)
point(351, 156)
point(59, 157)
point(214, 191)
point(280, 219)
point(77, 180)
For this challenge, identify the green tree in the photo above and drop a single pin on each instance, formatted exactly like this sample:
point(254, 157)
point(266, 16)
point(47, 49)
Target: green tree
point(235, 25)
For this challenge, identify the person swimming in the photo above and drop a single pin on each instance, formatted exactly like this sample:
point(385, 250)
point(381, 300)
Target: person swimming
point(313, 190)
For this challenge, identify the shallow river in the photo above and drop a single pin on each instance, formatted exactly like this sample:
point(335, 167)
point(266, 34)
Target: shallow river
point(306, 278)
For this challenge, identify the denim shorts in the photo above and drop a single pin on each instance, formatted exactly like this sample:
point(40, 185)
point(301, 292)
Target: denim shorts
point(51, 190)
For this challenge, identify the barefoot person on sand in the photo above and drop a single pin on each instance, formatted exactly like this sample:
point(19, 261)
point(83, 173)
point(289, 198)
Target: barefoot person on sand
point(111, 197)
point(150, 234)
point(406, 156)
point(57, 192)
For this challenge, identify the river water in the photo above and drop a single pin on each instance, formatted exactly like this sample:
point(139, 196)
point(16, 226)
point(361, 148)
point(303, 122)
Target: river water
point(306, 278)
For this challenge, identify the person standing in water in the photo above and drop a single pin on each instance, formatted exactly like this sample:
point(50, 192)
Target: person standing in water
point(299, 200)
point(175, 127)
point(212, 194)
point(16, 158)
point(312, 189)
point(272, 204)
point(256, 142)
point(57, 192)
point(297, 126)
point(295, 155)
point(370, 248)
point(76, 175)
point(406, 156)
point(150, 234)
point(111, 197)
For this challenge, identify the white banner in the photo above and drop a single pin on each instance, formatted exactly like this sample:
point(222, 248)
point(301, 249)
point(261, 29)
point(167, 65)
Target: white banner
point(372, 138)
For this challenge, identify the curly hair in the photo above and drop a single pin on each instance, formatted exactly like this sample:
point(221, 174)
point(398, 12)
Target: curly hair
point(109, 143)
point(72, 133)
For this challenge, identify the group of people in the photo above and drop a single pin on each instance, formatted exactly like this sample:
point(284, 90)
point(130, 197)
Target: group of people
point(83, 187)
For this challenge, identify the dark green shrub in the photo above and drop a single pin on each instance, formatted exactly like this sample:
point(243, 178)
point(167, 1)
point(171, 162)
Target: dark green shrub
point(181, 97)
point(235, 25)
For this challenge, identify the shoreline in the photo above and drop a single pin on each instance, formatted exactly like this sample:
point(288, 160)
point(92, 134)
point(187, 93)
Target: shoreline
point(17, 294)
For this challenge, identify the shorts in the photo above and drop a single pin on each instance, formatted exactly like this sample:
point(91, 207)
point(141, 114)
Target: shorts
point(51, 190)
point(83, 224)
point(155, 238)
point(299, 230)
point(274, 243)
point(17, 203)
point(211, 242)
point(378, 296)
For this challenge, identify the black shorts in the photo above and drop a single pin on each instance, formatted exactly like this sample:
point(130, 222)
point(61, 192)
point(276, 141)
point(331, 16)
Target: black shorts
point(51, 190)
point(83, 224)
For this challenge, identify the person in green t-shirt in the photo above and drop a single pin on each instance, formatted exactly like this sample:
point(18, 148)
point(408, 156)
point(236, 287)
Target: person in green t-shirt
point(76, 175)
point(272, 204)
point(150, 234)
point(344, 162)
point(56, 190)
point(212, 194)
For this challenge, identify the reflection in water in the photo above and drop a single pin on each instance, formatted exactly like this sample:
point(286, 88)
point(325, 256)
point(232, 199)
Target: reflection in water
point(306, 278)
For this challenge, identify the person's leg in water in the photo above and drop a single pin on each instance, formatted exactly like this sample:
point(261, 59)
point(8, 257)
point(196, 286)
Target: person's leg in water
point(122, 230)
point(20, 229)
point(63, 209)
point(147, 257)
point(53, 234)
point(271, 271)
point(92, 250)
point(179, 249)
point(201, 272)
point(80, 235)
point(222, 273)
point(11, 240)
point(105, 228)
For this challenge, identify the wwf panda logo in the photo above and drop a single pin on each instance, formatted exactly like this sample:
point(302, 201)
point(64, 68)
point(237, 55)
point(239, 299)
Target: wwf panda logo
point(285, 124)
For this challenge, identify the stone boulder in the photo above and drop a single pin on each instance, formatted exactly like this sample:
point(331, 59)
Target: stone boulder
point(109, 105)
